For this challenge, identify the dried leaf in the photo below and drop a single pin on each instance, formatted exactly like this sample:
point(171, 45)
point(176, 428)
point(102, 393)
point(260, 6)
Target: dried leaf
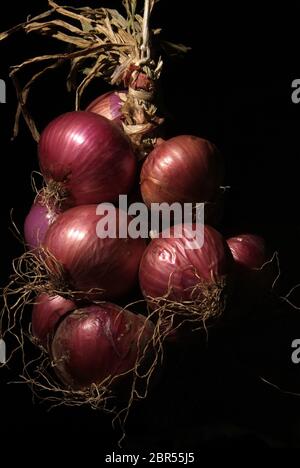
point(33, 26)
point(112, 45)
point(21, 26)
point(85, 82)
point(174, 49)
point(77, 41)
point(71, 79)
point(22, 98)
point(86, 25)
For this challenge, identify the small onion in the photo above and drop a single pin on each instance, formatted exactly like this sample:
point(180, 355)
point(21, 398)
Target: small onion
point(98, 342)
point(37, 222)
point(182, 169)
point(109, 105)
point(172, 271)
point(86, 159)
point(110, 265)
point(255, 274)
point(254, 268)
point(248, 251)
point(46, 313)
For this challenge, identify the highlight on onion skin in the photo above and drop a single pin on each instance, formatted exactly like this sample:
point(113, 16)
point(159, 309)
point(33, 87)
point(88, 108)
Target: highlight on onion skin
point(86, 159)
point(95, 267)
point(37, 222)
point(97, 343)
point(109, 105)
point(169, 271)
point(46, 313)
point(183, 169)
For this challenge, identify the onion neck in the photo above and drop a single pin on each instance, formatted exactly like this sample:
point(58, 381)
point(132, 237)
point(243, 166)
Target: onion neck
point(55, 196)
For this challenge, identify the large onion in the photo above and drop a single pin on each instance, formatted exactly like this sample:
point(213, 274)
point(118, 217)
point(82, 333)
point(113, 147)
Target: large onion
point(110, 265)
point(182, 169)
point(170, 271)
point(37, 222)
point(99, 342)
point(109, 105)
point(86, 159)
point(46, 313)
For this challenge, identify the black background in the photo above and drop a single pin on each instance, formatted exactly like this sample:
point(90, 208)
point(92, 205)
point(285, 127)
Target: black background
point(233, 88)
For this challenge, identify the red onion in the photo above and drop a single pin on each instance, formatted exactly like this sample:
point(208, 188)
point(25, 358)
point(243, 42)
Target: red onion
point(172, 270)
point(255, 271)
point(86, 158)
point(248, 251)
point(110, 264)
point(46, 313)
point(255, 274)
point(109, 105)
point(37, 222)
point(99, 342)
point(182, 169)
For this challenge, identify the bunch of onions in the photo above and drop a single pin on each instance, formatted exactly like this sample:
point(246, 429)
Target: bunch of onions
point(109, 105)
point(183, 169)
point(84, 252)
point(99, 344)
point(85, 158)
point(189, 280)
point(46, 314)
point(41, 215)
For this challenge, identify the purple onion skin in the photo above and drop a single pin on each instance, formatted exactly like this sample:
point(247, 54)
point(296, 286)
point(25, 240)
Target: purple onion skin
point(108, 105)
point(96, 342)
point(89, 156)
point(37, 223)
point(46, 313)
point(248, 251)
point(102, 268)
point(169, 268)
point(185, 169)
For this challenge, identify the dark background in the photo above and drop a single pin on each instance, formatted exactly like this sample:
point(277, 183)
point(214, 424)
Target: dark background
point(233, 88)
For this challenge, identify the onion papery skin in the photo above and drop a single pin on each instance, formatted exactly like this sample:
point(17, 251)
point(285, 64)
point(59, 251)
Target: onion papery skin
point(109, 105)
point(183, 169)
point(46, 313)
point(97, 342)
point(108, 265)
point(168, 269)
point(37, 222)
point(86, 158)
